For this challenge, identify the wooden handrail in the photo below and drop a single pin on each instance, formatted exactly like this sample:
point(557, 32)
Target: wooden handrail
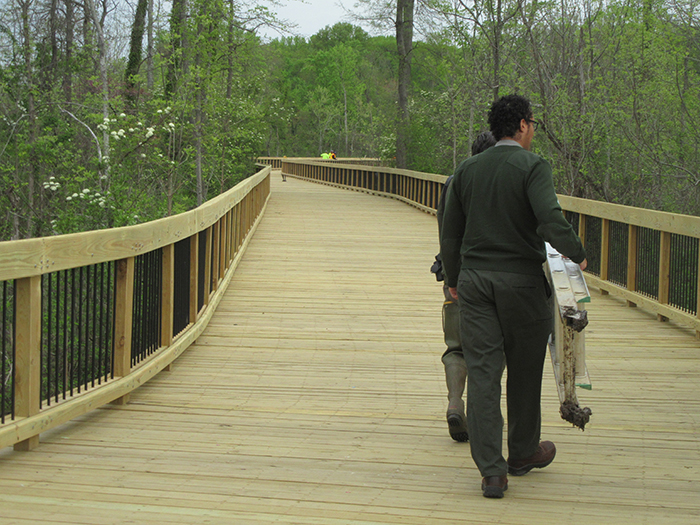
point(276, 162)
point(233, 216)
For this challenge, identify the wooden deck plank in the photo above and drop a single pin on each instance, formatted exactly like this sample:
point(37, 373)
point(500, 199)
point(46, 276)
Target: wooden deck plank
point(316, 396)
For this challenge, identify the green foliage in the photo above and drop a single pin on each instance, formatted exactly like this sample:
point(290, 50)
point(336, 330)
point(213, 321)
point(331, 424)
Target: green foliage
point(65, 167)
point(337, 90)
point(616, 85)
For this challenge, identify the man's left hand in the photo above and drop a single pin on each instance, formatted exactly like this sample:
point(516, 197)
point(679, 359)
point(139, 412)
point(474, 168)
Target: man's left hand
point(453, 293)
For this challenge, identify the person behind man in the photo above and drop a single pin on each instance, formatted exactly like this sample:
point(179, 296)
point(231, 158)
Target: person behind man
point(455, 368)
point(500, 208)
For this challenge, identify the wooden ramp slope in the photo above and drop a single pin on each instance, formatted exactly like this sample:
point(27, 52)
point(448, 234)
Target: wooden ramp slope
point(316, 396)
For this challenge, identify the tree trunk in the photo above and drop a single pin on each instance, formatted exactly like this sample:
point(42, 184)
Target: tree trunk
point(453, 129)
point(136, 45)
point(149, 50)
point(177, 64)
point(101, 47)
point(67, 75)
point(345, 112)
point(198, 145)
point(88, 37)
point(404, 45)
point(199, 115)
point(53, 23)
point(231, 50)
point(498, 30)
point(31, 113)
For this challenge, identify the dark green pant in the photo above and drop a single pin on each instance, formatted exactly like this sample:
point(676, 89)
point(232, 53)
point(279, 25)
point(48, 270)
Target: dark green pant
point(503, 314)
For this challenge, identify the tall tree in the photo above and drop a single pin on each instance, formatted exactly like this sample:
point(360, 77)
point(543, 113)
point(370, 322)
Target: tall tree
point(98, 20)
point(177, 52)
point(31, 114)
point(135, 51)
point(68, 51)
point(149, 47)
point(404, 47)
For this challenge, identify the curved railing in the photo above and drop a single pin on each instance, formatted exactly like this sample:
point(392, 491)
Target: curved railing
point(276, 162)
point(649, 258)
point(416, 188)
point(86, 318)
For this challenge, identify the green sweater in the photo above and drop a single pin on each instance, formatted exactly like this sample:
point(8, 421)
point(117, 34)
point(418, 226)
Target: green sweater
point(500, 208)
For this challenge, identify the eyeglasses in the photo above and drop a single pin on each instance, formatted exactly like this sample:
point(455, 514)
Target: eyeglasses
point(535, 124)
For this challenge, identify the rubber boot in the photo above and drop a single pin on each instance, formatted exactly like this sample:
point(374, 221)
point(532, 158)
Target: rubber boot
point(456, 377)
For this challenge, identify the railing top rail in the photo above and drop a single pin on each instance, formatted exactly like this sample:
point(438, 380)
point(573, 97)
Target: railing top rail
point(372, 169)
point(656, 220)
point(318, 158)
point(29, 257)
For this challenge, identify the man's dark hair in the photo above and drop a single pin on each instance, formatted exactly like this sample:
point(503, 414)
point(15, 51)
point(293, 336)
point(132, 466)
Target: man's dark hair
point(506, 113)
point(483, 142)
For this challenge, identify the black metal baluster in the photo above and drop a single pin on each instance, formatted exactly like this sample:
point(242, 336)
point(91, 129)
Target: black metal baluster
point(151, 305)
point(136, 331)
point(93, 284)
point(155, 297)
point(51, 375)
point(145, 325)
point(80, 331)
point(14, 346)
point(101, 328)
point(70, 358)
point(45, 353)
point(56, 336)
point(3, 348)
point(59, 374)
point(148, 296)
point(110, 299)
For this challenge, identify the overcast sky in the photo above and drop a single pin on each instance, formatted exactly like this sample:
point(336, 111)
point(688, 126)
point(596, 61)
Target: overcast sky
point(310, 15)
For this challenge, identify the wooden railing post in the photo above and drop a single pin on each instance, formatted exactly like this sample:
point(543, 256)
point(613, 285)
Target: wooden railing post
point(216, 251)
point(664, 270)
point(239, 227)
point(28, 353)
point(194, 274)
point(123, 319)
point(604, 251)
point(582, 228)
point(223, 253)
point(227, 238)
point(632, 261)
point(207, 266)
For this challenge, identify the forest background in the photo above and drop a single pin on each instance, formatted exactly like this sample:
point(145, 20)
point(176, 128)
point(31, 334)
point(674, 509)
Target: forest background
point(115, 112)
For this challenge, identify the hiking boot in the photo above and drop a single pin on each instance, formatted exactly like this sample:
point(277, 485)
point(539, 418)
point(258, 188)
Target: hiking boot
point(494, 486)
point(542, 457)
point(457, 426)
point(456, 377)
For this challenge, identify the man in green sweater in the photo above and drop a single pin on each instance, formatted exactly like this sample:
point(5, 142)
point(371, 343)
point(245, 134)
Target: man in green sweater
point(500, 208)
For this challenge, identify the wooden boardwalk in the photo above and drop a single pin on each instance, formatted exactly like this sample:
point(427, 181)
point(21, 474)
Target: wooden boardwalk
point(317, 396)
